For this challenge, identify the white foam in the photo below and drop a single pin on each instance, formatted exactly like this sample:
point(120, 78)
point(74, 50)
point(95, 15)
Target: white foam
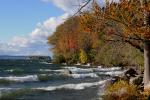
point(91, 75)
point(91, 70)
point(114, 73)
point(45, 70)
point(6, 89)
point(79, 70)
point(79, 86)
point(27, 78)
point(11, 70)
point(46, 63)
point(49, 70)
point(107, 69)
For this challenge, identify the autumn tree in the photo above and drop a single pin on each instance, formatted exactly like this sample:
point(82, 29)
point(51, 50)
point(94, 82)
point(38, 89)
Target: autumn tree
point(127, 21)
point(69, 38)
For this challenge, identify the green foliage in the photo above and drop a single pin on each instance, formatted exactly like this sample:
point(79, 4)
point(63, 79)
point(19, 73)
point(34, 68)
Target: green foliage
point(58, 59)
point(119, 54)
point(74, 58)
point(83, 57)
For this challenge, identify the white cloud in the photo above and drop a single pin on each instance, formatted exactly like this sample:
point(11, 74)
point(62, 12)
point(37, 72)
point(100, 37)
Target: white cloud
point(48, 27)
point(35, 43)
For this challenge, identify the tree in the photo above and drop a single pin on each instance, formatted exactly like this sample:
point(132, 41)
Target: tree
point(127, 21)
point(83, 57)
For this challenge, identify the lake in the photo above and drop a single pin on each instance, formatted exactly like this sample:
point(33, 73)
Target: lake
point(36, 80)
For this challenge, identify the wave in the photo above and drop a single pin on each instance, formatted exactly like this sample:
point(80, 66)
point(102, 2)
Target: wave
point(27, 78)
point(89, 75)
point(79, 70)
point(50, 70)
point(67, 72)
point(91, 70)
point(79, 86)
point(108, 69)
point(115, 73)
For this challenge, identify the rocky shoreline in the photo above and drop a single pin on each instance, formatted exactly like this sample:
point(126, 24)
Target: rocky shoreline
point(123, 85)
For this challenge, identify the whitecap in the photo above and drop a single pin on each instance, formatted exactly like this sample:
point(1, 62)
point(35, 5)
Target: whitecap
point(11, 70)
point(46, 63)
point(107, 69)
point(79, 86)
point(114, 73)
point(79, 70)
point(27, 78)
point(45, 70)
point(91, 75)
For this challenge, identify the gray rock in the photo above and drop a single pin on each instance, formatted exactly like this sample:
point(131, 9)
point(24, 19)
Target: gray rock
point(136, 80)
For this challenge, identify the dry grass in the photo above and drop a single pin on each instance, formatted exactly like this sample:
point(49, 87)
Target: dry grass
point(121, 90)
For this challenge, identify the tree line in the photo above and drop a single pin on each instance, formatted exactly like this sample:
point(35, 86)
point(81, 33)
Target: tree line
point(91, 38)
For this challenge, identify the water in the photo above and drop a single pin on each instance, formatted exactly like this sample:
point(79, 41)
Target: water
point(35, 80)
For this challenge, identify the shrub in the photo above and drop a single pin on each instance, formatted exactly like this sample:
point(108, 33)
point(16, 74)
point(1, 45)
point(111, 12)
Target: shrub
point(121, 90)
point(83, 57)
point(58, 59)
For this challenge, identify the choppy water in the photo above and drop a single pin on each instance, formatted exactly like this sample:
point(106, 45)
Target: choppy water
point(34, 80)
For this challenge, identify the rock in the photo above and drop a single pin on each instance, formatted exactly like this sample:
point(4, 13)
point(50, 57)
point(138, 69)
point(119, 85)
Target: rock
point(136, 80)
point(130, 73)
point(131, 76)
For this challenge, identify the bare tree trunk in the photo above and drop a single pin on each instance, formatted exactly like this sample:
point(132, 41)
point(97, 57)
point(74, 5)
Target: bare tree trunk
point(144, 3)
point(147, 64)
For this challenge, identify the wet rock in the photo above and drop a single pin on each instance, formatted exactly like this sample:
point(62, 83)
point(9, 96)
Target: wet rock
point(136, 80)
point(131, 76)
point(130, 73)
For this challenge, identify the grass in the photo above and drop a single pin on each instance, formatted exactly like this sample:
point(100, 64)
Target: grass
point(121, 90)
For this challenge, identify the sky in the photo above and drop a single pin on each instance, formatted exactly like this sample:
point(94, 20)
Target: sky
point(26, 24)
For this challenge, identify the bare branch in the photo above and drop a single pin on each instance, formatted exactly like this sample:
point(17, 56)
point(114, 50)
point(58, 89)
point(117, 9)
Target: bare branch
point(84, 5)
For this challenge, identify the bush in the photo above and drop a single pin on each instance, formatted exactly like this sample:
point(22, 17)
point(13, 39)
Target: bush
point(58, 59)
point(83, 57)
point(121, 90)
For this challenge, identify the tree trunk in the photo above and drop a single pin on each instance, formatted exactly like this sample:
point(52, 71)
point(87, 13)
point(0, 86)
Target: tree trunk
point(147, 64)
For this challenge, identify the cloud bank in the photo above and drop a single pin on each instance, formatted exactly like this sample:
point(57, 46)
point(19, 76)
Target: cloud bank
point(35, 43)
